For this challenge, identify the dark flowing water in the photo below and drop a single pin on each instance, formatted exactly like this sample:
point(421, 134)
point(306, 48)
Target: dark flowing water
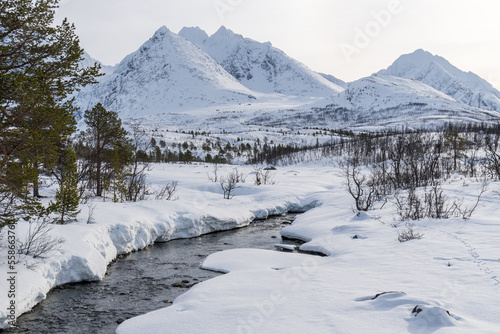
point(141, 282)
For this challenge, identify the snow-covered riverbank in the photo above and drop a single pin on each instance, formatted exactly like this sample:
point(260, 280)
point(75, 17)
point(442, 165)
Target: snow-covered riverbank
point(450, 277)
point(446, 282)
point(118, 228)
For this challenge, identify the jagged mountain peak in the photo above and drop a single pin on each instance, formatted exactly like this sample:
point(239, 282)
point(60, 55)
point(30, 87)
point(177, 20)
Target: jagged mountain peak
point(420, 54)
point(262, 67)
point(222, 43)
point(162, 32)
point(195, 35)
point(439, 73)
point(166, 73)
point(224, 32)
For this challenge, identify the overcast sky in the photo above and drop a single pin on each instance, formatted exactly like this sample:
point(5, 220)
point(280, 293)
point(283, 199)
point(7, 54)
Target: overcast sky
point(348, 39)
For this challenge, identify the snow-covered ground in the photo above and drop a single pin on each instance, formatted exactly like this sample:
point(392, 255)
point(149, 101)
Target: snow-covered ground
point(446, 282)
point(117, 228)
point(451, 276)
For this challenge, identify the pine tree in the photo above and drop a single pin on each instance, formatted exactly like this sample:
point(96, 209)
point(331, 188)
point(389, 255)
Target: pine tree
point(38, 71)
point(118, 182)
point(67, 196)
point(105, 134)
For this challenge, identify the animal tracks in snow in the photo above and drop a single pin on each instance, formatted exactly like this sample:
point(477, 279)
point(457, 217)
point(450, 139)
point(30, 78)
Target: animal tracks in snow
point(481, 263)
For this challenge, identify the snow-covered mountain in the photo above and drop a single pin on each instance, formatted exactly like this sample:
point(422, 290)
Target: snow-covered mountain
point(228, 78)
point(260, 66)
point(194, 34)
point(385, 100)
point(437, 72)
point(167, 73)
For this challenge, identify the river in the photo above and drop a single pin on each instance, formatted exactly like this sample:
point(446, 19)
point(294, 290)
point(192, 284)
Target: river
point(141, 282)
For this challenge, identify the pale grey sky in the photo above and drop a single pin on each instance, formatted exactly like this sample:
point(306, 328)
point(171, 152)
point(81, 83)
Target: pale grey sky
point(348, 39)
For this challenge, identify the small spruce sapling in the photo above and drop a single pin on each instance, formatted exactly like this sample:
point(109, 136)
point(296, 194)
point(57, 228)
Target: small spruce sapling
point(67, 196)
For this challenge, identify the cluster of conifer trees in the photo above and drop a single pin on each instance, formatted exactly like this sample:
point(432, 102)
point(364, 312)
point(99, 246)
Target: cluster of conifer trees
point(39, 70)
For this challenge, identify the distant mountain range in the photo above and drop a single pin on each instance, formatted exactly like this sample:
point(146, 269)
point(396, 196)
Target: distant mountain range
point(260, 66)
point(194, 71)
point(167, 73)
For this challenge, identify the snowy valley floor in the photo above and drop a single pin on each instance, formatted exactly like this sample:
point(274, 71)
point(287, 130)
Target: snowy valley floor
point(451, 276)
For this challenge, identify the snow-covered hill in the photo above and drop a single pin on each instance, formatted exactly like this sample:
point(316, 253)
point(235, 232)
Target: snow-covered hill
point(437, 72)
point(380, 92)
point(381, 101)
point(166, 74)
point(260, 66)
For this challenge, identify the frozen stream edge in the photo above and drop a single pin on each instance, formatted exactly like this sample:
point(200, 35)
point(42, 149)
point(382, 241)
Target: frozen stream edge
point(95, 246)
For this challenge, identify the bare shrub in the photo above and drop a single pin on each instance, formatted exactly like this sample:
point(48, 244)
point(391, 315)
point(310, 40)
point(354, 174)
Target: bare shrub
point(409, 207)
point(38, 242)
point(409, 233)
point(214, 177)
point(492, 156)
point(230, 183)
point(137, 188)
point(239, 176)
point(264, 177)
point(435, 203)
point(90, 217)
point(359, 186)
point(465, 212)
point(168, 191)
point(380, 183)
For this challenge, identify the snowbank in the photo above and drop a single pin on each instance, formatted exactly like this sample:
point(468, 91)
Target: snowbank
point(446, 282)
point(120, 228)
